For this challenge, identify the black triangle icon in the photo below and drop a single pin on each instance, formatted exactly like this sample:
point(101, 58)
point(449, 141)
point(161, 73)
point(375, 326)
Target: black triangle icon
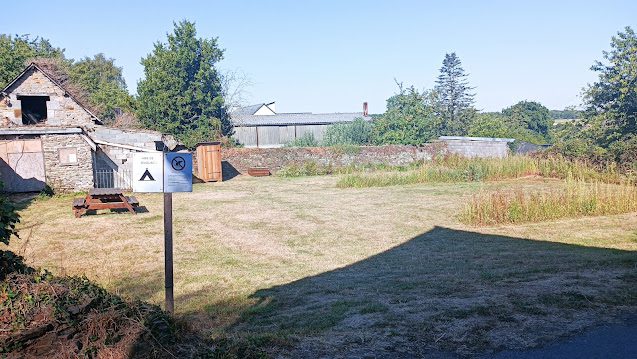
point(147, 175)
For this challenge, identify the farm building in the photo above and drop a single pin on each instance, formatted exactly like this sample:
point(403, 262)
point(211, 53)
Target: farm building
point(47, 137)
point(261, 126)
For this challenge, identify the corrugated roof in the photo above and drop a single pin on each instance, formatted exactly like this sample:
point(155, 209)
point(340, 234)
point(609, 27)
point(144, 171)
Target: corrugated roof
point(296, 119)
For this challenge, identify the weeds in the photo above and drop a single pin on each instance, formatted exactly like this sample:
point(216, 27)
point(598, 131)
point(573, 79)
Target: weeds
point(576, 200)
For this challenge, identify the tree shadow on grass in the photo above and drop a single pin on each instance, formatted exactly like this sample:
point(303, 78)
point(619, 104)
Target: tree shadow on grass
point(449, 290)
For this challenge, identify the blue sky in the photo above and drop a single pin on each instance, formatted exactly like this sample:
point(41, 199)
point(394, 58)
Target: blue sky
point(330, 56)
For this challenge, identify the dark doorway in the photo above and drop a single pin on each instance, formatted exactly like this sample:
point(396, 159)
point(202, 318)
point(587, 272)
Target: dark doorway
point(33, 109)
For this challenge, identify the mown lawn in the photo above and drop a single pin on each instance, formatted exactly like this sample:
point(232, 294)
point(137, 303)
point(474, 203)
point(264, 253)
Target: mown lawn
point(317, 269)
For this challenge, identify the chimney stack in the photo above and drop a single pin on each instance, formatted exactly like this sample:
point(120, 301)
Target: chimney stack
point(365, 111)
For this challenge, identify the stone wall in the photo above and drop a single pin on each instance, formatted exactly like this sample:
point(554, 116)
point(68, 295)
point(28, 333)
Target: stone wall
point(62, 110)
point(71, 177)
point(276, 158)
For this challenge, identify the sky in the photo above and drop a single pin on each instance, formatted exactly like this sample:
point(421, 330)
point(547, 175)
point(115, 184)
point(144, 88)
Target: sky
point(331, 56)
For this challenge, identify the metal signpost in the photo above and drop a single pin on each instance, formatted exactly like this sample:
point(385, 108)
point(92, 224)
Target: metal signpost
point(164, 172)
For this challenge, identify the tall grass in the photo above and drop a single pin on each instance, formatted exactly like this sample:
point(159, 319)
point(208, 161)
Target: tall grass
point(457, 169)
point(577, 199)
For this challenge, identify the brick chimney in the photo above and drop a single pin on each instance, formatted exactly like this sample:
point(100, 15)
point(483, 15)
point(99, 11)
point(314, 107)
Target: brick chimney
point(365, 110)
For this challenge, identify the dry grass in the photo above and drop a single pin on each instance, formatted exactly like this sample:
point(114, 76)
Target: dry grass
point(344, 272)
point(574, 199)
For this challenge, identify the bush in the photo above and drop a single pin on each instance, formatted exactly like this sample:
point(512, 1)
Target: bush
point(8, 219)
point(358, 132)
point(306, 140)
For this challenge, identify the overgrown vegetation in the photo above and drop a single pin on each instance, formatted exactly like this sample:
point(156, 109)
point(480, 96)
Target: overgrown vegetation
point(358, 132)
point(457, 169)
point(577, 199)
point(305, 140)
point(8, 219)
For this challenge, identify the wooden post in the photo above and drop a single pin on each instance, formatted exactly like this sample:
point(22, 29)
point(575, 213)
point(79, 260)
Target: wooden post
point(168, 251)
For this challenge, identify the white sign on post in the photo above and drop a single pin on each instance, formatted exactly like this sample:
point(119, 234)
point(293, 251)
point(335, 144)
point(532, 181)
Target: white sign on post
point(164, 172)
point(178, 172)
point(148, 172)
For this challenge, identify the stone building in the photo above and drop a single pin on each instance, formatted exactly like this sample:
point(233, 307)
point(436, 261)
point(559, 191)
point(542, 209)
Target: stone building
point(47, 137)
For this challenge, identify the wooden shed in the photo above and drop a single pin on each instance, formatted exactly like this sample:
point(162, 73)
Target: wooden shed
point(209, 162)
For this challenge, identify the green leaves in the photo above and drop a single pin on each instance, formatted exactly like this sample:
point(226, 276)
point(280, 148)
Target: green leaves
point(181, 93)
point(612, 100)
point(530, 116)
point(16, 51)
point(358, 132)
point(410, 119)
point(8, 219)
point(105, 85)
point(455, 99)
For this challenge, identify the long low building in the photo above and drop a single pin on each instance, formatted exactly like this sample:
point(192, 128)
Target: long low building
point(261, 126)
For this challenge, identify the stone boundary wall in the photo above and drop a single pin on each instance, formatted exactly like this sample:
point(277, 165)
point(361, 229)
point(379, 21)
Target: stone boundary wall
point(276, 158)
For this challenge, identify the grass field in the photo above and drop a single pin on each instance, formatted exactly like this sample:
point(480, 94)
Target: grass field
point(311, 269)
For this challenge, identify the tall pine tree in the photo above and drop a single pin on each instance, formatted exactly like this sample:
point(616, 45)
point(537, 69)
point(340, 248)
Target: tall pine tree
point(181, 93)
point(455, 99)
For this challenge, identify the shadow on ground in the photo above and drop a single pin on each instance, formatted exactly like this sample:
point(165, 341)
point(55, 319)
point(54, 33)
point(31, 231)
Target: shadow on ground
point(444, 292)
point(449, 290)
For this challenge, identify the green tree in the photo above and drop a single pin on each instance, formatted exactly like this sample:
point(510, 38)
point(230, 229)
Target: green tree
point(498, 125)
point(105, 85)
point(568, 113)
point(17, 51)
point(409, 119)
point(181, 93)
point(455, 99)
point(532, 116)
point(612, 100)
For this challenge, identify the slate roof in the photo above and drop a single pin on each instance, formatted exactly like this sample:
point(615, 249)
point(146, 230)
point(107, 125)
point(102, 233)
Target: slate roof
point(305, 118)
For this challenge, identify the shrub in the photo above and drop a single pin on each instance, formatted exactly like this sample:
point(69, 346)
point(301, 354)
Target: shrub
point(8, 219)
point(306, 140)
point(358, 132)
point(577, 199)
